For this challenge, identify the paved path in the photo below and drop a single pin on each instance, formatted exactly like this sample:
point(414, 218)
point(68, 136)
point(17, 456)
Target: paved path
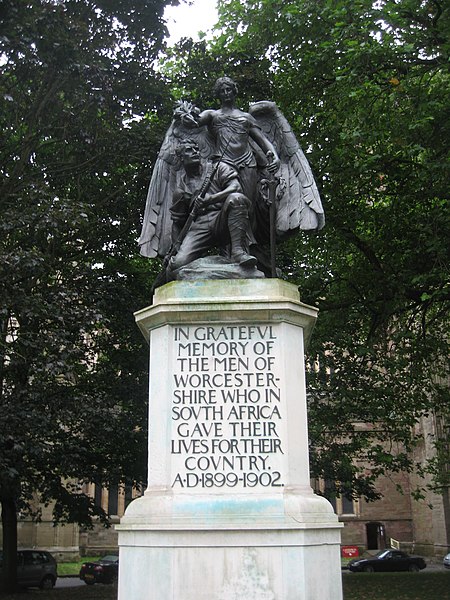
point(65, 582)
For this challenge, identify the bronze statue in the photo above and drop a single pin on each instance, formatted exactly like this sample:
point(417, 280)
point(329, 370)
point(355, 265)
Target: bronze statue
point(230, 182)
point(222, 212)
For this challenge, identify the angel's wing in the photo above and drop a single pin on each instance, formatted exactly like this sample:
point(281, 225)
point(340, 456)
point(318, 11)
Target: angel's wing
point(156, 234)
point(300, 206)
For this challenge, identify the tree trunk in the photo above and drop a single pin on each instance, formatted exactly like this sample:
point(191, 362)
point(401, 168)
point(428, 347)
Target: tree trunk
point(8, 582)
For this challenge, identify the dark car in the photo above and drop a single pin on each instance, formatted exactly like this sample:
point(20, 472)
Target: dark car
point(105, 570)
point(35, 568)
point(388, 560)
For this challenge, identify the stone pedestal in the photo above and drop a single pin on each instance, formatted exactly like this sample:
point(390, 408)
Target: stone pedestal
point(229, 512)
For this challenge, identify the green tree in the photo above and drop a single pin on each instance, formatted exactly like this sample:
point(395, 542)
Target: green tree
point(82, 110)
point(365, 85)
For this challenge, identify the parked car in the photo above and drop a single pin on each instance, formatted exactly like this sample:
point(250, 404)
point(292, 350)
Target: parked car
point(105, 570)
point(446, 561)
point(388, 560)
point(35, 568)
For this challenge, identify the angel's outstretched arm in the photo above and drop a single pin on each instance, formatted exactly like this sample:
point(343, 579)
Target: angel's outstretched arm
point(205, 117)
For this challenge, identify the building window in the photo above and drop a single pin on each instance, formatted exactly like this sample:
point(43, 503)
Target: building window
point(98, 494)
point(128, 494)
point(348, 506)
point(329, 494)
point(341, 504)
point(113, 499)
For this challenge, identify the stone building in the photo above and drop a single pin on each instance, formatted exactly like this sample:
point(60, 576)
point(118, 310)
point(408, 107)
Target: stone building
point(67, 542)
point(419, 526)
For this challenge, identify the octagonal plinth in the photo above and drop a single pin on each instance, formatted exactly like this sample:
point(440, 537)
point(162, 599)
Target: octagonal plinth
point(229, 511)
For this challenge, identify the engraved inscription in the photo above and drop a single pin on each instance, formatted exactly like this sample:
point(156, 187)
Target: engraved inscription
point(227, 409)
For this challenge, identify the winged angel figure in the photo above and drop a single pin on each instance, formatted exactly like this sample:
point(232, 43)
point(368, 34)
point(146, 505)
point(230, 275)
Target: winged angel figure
point(227, 180)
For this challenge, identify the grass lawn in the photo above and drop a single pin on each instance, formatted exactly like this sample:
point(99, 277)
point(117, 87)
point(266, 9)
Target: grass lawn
point(87, 592)
point(397, 586)
point(357, 586)
point(73, 568)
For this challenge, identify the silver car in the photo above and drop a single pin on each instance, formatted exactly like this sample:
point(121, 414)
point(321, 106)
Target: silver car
point(447, 561)
point(35, 568)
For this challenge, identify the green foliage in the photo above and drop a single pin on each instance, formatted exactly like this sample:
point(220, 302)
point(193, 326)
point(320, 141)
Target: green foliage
point(186, 64)
point(81, 108)
point(366, 87)
point(83, 111)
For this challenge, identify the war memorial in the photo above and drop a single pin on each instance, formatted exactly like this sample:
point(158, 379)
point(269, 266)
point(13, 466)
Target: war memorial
point(229, 512)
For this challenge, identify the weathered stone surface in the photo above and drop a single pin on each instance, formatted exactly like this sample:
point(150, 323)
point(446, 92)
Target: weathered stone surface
point(229, 512)
point(216, 267)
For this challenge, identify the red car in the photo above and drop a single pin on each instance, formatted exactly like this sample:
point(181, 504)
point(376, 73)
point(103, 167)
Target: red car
point(105, 570)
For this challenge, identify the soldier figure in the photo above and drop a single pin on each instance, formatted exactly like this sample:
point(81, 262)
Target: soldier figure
point(222, 215)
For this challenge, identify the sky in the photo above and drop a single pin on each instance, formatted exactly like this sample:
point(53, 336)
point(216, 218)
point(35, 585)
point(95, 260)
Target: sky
point(187, 21)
